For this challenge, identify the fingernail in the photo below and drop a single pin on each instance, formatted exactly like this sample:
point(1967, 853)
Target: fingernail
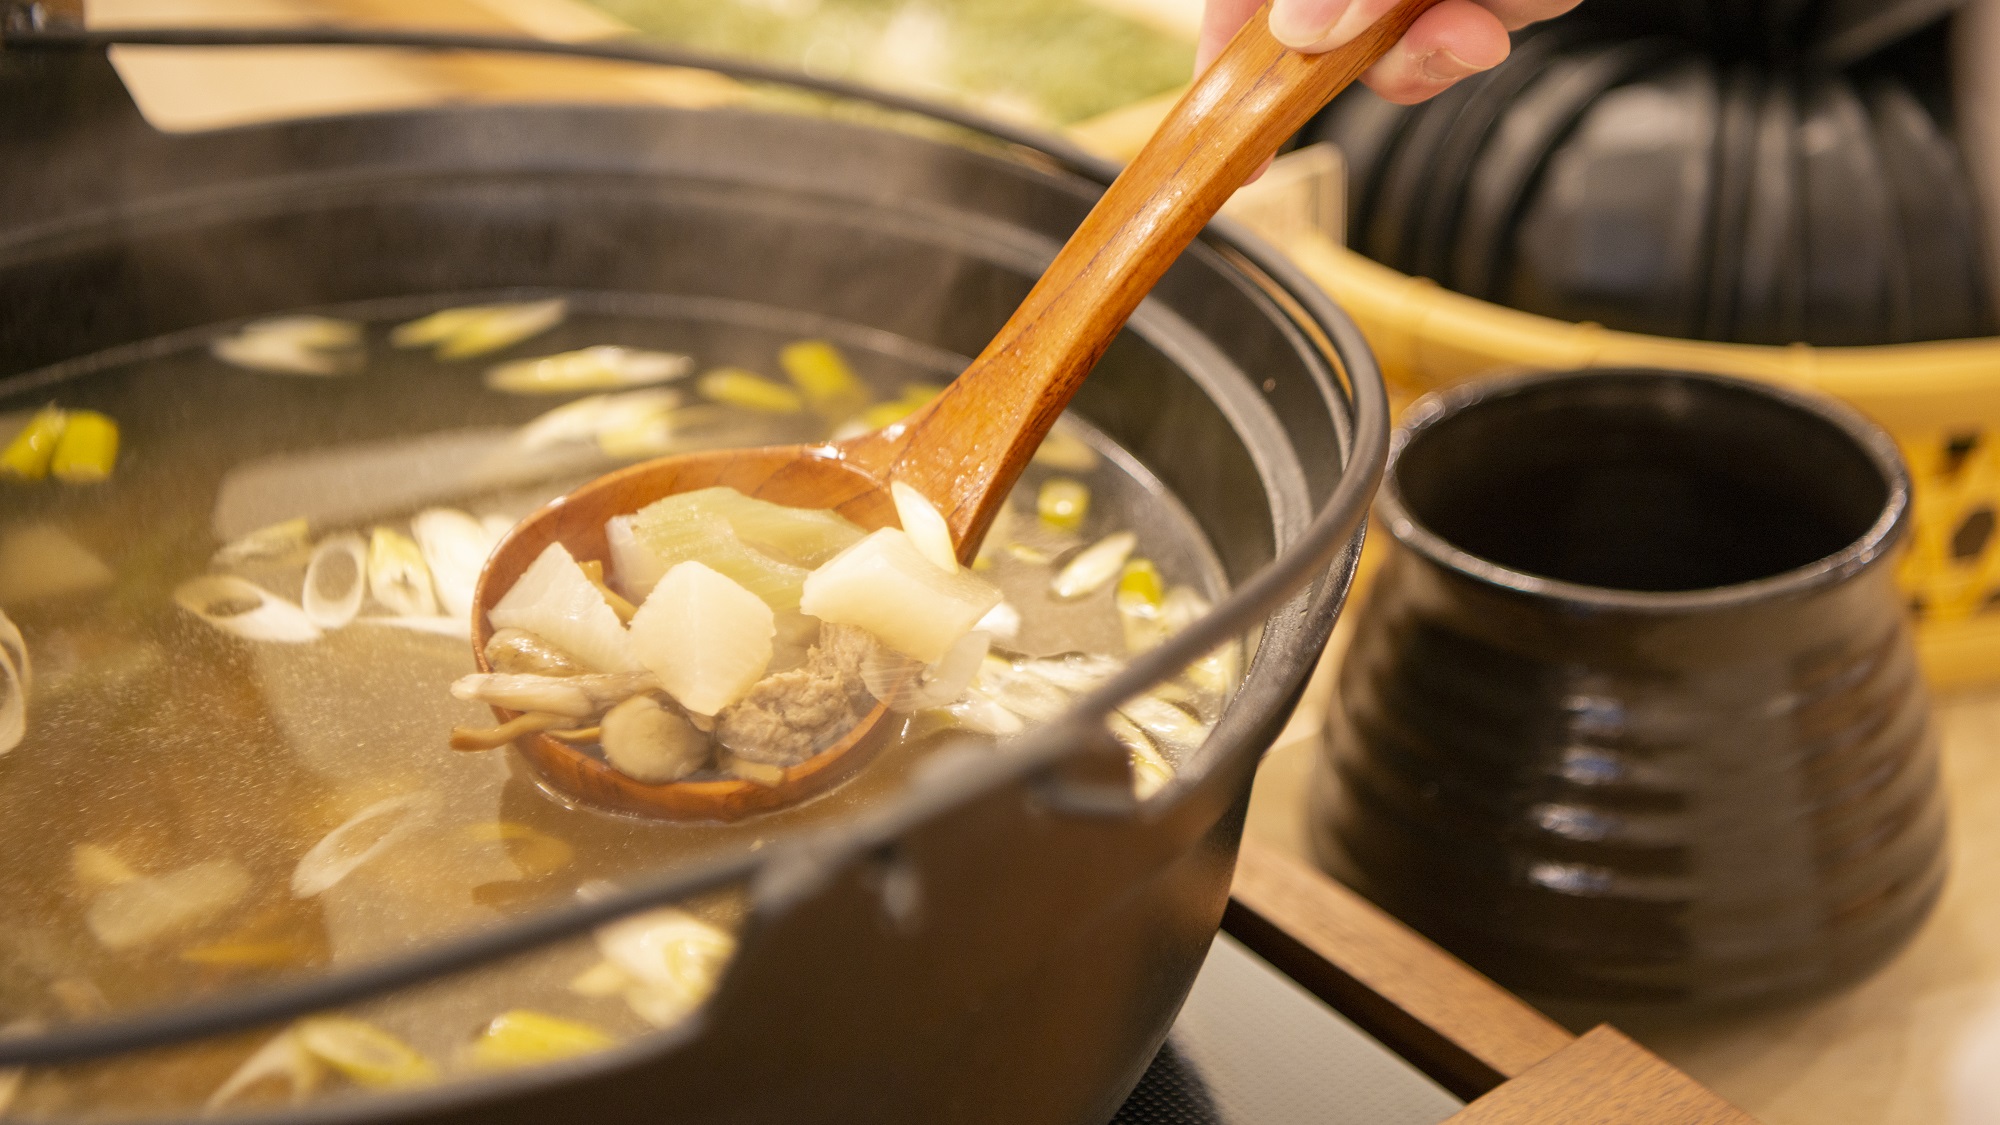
point(1443, 66)
point(1305, 24)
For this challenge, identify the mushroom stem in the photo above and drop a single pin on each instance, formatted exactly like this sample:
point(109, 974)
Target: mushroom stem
point(492, 738)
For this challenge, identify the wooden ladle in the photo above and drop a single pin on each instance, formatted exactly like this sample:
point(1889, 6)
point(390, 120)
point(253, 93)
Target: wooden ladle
point(965, 450)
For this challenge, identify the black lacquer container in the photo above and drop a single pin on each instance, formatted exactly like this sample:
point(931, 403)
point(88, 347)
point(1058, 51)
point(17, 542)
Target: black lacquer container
point(1632, 714)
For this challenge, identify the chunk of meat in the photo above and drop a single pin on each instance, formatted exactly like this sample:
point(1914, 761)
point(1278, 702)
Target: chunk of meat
point(790, 716)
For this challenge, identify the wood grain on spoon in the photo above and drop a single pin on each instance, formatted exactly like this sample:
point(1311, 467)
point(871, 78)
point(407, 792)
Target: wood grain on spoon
point(965, 450)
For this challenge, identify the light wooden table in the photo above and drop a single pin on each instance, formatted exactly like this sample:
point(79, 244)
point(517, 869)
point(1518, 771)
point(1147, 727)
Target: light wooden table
point(1917, 1044)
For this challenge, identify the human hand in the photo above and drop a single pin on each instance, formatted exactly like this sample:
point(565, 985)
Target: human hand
point(1454, 40)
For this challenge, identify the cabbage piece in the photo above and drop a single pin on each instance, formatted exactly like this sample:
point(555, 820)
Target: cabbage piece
point(802, 536)
point(554, 600)
point(707, 638)
point(886, 586)
point(657, 545)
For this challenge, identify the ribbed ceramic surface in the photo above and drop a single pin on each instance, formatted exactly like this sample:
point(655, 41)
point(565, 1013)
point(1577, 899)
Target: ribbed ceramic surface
point(1603, 802)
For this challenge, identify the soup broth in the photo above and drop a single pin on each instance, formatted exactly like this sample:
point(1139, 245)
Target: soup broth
point(199, 804)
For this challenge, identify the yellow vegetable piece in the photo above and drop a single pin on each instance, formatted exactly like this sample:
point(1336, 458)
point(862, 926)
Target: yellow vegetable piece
point(96, 867)
point(821, 373)
point(478, 329)
point(364, 1052)
point(915, 397)
point(1066, 451)
point(88, 449)
point(733, 386)
point(535, 852)
point(397, 574)
point(27, 457)
point(1062, 503)
point(437, 327)
point(1140, 583)
point(524, 1038)
point(886, 414)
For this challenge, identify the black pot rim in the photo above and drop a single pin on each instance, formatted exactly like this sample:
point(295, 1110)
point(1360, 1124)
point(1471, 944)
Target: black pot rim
point(1870, 548)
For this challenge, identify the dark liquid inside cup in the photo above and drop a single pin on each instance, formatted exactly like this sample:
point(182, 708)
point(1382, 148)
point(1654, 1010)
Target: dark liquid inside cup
point(1642, 484)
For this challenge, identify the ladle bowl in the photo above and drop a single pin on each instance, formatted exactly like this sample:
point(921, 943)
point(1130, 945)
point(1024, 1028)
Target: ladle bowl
point(816, 476)
point(965, 449)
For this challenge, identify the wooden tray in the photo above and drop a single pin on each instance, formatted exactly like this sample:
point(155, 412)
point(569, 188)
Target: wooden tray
point(1511, 1064)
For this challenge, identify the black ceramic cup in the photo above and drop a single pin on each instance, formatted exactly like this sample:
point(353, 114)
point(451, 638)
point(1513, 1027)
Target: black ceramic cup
point(1632, 713)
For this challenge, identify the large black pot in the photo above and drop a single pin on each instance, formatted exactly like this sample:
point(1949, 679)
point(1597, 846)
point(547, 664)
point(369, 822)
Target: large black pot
point(1010, 940)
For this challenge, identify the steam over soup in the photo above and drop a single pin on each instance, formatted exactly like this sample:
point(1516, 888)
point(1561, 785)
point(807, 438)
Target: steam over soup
point(235, 661)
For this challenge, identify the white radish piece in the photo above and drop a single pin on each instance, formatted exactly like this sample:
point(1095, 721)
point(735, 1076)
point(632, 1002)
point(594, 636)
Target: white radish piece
point(635, 567)
point(358, 840)
point(555, 601)
point(454, 546)
point(885, 586)
point(1002, 622)
point(905, 686)
point(244, 609)
point(604, 367)
point(1095, 566)
point(397, 575)
point(705, 636)
point(925, 526)
point(139, 911)
point(280, 1060)
point(336, 581)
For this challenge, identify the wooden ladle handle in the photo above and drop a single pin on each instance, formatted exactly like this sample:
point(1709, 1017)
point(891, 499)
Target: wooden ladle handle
point(970, 445)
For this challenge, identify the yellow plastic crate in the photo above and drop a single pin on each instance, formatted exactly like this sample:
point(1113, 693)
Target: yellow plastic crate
point(1940, 401)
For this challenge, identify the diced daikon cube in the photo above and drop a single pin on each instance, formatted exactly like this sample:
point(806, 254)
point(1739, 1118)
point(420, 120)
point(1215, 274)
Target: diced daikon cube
point(886, 586)
point(555, 601)
point(706, 637)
